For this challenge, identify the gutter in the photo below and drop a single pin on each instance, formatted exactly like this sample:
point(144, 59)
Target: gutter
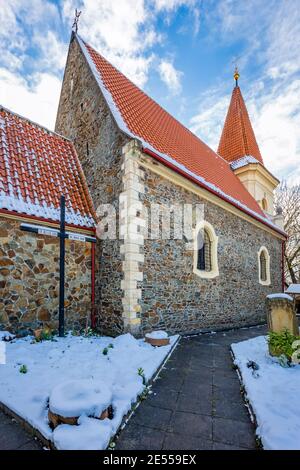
point(45, 220)
point(211, 190)
point(93, 271)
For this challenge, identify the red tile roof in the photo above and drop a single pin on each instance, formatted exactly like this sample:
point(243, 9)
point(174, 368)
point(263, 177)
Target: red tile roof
point(238, 139)
point(38, 166)
point(141, 117)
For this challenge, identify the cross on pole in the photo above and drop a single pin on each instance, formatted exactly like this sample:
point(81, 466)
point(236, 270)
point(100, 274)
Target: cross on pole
point(62, 234)
point(76, 20)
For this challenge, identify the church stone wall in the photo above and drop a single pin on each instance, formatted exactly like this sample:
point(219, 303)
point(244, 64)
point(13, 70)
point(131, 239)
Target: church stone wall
point(176, 299)
point(83, 116)
point(29, 280)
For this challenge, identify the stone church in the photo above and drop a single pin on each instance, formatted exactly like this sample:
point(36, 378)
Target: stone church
point(119, 143)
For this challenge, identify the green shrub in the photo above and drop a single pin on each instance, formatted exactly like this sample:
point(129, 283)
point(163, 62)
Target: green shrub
point(141, 373)
point(23, 369)
point(106, 350)
point(281, 343)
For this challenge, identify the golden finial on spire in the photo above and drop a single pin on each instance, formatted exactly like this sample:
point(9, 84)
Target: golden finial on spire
point(236, 76)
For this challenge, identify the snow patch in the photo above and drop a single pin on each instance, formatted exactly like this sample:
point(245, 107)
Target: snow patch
point(78, 360)
point(293, 289)
point(243, 161)
point(273, 394)
point(279, 296)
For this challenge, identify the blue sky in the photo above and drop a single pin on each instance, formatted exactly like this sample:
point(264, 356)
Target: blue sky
point(181, 52)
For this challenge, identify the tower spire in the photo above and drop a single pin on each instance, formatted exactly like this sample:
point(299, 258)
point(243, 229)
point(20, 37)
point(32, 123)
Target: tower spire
point(238, 138)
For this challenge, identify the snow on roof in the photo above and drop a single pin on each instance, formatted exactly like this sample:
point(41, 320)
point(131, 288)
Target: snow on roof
point(141, 118)
point(243, 161)
point(37, 166)
point(293, 289)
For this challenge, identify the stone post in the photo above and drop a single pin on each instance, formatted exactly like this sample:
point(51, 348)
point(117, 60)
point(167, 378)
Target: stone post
point(281, 314)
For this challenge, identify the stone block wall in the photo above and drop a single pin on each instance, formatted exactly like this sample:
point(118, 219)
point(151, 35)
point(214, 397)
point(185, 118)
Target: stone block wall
point(176, 299)
point(29, 280)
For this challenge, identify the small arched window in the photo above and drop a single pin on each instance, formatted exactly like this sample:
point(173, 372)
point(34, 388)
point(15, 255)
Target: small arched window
point(265, 204)
point(205, 254)
point(264, 266)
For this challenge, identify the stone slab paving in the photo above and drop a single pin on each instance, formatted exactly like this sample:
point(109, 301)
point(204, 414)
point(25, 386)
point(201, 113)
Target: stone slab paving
point(14, 437)
point(196, 402)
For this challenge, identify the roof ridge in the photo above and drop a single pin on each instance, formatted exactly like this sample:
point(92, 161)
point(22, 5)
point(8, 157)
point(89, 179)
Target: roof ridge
point(34, 123)
point(148, 96)
point(140, 117)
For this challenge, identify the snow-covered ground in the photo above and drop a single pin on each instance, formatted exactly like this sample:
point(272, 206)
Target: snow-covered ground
point(57, 366)
point(273, 392)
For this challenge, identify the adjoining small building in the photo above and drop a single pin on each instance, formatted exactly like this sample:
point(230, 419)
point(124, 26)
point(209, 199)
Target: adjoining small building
point(37, 167)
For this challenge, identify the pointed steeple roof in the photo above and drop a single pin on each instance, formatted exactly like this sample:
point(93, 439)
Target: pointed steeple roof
point(238, 139)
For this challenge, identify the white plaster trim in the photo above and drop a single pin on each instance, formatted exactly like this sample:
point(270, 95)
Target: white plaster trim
point(214, 272)
point(268, 280)
point(133, 238)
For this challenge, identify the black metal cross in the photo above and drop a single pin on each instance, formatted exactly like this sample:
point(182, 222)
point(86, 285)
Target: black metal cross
point(62, 235)
point(76, 20)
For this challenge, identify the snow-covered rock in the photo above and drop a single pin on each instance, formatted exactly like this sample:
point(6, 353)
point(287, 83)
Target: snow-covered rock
point(6, 336)
point(159, 334)
point(280, 296)
point(77, 397)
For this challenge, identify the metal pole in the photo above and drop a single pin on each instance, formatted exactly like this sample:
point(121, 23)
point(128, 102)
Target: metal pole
point(61, 312)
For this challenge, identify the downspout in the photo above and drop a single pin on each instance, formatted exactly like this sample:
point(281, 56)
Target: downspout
point(282, 265)
point(93, 312)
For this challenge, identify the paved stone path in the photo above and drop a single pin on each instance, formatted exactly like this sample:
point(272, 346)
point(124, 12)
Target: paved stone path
point(14, 437)
point(196, 402)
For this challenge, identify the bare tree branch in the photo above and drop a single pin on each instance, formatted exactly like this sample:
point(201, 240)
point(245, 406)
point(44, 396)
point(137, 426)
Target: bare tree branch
point(287, 199)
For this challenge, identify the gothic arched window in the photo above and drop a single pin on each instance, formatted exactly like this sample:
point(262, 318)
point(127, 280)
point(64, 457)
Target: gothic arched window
point(205, 256)
point(264, 266)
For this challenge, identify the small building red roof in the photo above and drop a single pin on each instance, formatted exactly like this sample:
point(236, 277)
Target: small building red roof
point(37, 167)
point(140, 117)
point(238, 138)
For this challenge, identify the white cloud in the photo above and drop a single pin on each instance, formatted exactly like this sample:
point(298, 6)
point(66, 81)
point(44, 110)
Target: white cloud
point(271, 32)
point(276, 122)
point(121, 30)
point(170, 76)
point(39, 103)
point(173, 4)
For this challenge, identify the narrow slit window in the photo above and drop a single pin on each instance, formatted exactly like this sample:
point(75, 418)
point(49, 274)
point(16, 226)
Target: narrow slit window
point(263, 266)
point(204, 254)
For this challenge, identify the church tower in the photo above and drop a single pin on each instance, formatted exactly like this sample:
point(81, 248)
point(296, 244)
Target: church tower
point(239, 147)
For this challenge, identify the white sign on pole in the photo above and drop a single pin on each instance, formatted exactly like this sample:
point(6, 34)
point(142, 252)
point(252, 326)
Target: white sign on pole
point(76, 236)
point(45, 231)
